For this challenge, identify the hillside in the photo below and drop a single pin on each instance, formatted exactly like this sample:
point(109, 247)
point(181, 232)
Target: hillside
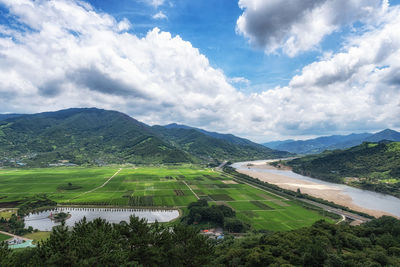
point(206, 147)
point(95, 136)
point(371, 166)
point(83, 136)
point(226, 137)
point(320, 144)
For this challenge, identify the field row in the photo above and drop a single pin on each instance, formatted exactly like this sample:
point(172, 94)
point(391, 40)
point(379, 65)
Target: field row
point(168, 187)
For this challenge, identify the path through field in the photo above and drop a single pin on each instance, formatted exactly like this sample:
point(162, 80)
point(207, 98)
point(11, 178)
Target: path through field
point(94, 189)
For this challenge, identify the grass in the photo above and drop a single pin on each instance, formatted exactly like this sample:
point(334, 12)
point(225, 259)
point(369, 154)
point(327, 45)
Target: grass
point(4, 237)
point(157, 187)
point(6, 214)
point(38, 236)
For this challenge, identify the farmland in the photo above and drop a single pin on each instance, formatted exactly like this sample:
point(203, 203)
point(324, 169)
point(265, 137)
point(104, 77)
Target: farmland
point(170, 187)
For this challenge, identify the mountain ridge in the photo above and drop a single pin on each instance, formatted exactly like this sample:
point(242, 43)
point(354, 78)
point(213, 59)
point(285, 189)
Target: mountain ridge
point(97, 136)
point(320, 144)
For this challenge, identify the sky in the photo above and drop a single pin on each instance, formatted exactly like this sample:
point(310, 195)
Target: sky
point(261, 69)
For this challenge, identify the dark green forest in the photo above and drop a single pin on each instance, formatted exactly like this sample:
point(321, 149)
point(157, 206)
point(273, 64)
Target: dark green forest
point(100, 137)
point(371, 166)
point(136, 243)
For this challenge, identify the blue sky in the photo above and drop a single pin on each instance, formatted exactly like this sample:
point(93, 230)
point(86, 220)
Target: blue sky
point(264, 70)
point(210, 26)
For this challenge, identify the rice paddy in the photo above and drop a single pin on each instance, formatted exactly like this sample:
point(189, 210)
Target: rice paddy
point(170, 187)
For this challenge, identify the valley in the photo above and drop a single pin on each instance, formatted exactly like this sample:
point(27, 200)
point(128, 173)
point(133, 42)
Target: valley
point(164, 187)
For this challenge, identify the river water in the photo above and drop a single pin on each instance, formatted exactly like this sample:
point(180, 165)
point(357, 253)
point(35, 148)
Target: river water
point(42, 222)
point(362, 198)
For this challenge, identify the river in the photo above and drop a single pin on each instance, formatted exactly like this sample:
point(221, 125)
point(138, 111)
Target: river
point(363, 200)
point(42, 222)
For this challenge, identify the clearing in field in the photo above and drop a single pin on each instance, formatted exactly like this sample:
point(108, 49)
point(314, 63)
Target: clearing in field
point(171, 187)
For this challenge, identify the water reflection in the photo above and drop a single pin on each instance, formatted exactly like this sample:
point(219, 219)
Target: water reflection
point(42, 222)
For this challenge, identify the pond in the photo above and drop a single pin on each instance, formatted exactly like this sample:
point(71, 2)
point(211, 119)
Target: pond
point(42, 222)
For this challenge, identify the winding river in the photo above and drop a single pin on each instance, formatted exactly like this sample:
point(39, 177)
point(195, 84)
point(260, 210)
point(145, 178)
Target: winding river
point(355, 198)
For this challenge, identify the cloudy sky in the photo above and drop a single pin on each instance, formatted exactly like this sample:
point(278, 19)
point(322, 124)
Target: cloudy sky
point(261, 69)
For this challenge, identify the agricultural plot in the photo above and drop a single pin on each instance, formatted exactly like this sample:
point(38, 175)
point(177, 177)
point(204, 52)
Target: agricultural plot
point(156, 187)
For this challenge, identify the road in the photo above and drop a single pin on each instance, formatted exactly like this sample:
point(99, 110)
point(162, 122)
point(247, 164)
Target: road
point(340, 212)
point(15, 236)
point(191, 190)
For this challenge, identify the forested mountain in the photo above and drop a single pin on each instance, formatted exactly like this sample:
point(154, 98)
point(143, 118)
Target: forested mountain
point(83, 136)
point(205, 146)
point(320, 144)
point(372, 166)
point(95, 136)
point(227, 137)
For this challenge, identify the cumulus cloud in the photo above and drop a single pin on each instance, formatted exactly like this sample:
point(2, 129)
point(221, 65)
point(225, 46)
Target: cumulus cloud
point(300, 25)
point(160, 15)
point(63, 53)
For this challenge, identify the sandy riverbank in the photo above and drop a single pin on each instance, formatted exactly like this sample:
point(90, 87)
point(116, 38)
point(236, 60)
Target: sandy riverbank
point(326, 192)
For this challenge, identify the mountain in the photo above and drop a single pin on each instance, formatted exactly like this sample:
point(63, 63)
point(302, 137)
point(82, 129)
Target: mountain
point(8, 116)
point(371, 166)
point(384, 135)
point(83, 136)
point(208, 146)
point(227, 137)
point(318, 145)
point(275, 144)
point(95, 136)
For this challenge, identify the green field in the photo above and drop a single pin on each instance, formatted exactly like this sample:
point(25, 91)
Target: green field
point(157, 187)
point(4, 237)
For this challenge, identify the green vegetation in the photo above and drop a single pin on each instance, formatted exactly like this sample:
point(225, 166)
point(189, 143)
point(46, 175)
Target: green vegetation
point(14, 225)
point(376, 243)
point(98, 243)
point(370, 166)
point(100, 137)
point(161, 187)
point(4, 237)
point(201, 213)
point(289, 194)
point(29, 204)
point(38, 236)
point(136, 243)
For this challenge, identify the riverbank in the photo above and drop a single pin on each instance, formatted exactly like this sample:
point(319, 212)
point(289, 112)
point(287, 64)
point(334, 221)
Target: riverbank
point(319, 190)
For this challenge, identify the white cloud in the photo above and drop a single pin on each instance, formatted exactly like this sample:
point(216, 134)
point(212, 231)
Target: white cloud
point(154, 3)
point(300, 25)
point(75, 56)
point(160, 15)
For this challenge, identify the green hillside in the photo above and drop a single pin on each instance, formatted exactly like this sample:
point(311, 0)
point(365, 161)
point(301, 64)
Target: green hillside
point(371, 166)
point(206, 147)
point(95, 136)
point(83, 136)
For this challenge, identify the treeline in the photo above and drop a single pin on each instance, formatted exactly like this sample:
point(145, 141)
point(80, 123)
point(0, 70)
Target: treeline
point(287, 193)
point(201, 213)
point(376, 243)
point(136, 243)
point(99, 243)
point(30, 204)
point(377, 165)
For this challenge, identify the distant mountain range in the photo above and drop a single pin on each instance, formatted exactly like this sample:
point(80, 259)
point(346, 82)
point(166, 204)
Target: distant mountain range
point(96, 136)
point(320, 144)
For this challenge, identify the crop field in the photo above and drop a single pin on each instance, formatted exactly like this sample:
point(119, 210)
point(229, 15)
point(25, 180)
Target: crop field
point(155, 187)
